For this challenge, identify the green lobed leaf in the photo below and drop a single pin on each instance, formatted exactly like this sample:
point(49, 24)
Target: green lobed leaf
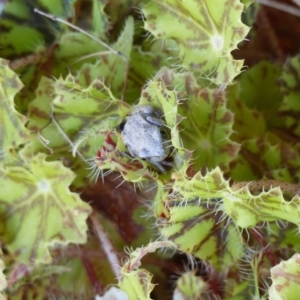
point(39, 111)
point(246, 205)
point(207, 125)
point(236, 290)
point(267, 156)
point(289, 85)
point(45, 135)
point(38, 210)
point(21, 28)
point(85, 115)
point(206, 33)
point(13, 131)
point(247, 209)
point(244, 116)
point(259, 90)
point(209, 186)
point(137, 284)
point(152, 58)
point(270, 148)
point(198, 227)
point(189, 286)
point(40, 279)
point(101, 24)
point(158, 54)
point(285, 278)
point(203, 120)
point(110, 68)
point(88, 118)
point(116, 10)
point(283, 238)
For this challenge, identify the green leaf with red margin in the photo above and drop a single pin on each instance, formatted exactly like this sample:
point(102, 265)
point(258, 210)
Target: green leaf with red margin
point(259, 90)
point(246, 166)
point(267, 156)
point(39, 111)
point(116, 10)
point(19, 25)
point(246, 204)
point(207, 123)
point(268, 149)
point(100, 20)
point(160, 53)
point(199, 227)
point(153, 56)
point(50, 136)
point(286, 280)
point(110, 68)
point(88, 118)
point(244, 116)
point(12, 131)
point(206, 33)
point(85, 115)
point(38, 211)
point(204, 122)
point(32, 282)
point(237, 290)
point(247, 209)
point(198, 210)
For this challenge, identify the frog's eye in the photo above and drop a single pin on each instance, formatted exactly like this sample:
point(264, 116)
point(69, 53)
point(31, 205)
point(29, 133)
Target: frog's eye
point(121, 126)
point(163, 133)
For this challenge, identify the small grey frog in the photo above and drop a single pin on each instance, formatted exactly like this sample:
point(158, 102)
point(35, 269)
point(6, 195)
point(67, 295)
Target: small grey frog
point(145, 135)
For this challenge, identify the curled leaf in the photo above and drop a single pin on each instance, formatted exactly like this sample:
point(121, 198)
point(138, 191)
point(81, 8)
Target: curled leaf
point(12, 130)
point(137, 282)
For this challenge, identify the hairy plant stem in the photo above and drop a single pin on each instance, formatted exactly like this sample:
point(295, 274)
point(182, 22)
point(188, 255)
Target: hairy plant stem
point(266, 184)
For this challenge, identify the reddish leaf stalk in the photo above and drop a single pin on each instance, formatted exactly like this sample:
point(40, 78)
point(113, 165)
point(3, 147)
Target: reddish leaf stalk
point(106, 245)
point(98, 289)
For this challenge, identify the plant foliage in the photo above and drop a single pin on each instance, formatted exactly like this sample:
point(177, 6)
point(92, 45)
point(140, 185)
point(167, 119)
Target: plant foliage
point(223, 214)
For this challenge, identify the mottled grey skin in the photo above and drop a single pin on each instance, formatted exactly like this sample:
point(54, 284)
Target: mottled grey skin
point(144, 134)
